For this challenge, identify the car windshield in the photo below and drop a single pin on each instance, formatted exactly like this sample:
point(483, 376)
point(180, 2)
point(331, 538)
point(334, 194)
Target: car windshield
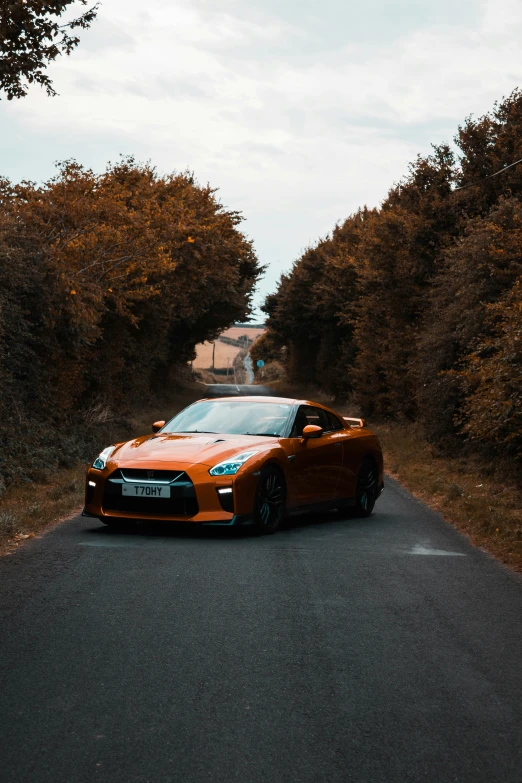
point(232, 418)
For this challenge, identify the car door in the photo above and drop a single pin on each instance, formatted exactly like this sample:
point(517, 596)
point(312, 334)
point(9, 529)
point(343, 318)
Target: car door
point(348, 472)
point(315, 464)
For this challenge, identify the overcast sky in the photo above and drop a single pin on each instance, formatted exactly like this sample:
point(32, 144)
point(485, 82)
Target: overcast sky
point(299, 111)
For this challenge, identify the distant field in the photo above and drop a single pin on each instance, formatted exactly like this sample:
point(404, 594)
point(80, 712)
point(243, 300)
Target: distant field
point(203, 358)
point(238, 331)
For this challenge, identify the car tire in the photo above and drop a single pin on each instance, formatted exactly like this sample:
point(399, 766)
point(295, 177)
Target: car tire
point(367, 488)
point(269, 501)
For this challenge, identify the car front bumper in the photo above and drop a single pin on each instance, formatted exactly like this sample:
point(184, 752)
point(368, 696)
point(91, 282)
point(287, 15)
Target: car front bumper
point(236, 520)
point(201, 489)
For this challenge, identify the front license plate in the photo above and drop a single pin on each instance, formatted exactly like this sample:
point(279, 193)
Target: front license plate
point(146, 490)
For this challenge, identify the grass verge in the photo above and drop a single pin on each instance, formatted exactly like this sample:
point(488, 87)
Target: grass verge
point(29, 508)
point(472, 494)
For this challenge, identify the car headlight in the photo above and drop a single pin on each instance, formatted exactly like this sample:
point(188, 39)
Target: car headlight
point(101, 460)
point(231, 466)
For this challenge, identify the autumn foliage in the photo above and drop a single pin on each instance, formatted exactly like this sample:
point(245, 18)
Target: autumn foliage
point(33, 33)
point(414, 310)
point(107, 282)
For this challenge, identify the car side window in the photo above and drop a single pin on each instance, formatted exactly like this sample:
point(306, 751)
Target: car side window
point(307, 414)
point(333, 422)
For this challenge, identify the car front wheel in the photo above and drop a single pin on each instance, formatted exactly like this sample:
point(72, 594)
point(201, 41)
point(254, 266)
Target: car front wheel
point(270, 500)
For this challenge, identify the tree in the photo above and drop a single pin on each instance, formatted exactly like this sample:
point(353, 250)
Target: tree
point(418, 311)
point(492, 375)
point(31, 37)
point(477, 271)
point(312, 312)
point(107, 283)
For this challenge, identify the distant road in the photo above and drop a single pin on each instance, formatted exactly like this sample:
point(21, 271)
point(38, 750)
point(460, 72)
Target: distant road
point(247, 361)
point(241, 390)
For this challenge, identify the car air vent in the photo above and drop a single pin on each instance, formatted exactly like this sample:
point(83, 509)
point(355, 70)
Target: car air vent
point(219, 440)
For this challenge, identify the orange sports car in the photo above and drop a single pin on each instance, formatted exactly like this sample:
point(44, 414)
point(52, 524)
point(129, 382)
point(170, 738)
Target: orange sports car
point(238, 461)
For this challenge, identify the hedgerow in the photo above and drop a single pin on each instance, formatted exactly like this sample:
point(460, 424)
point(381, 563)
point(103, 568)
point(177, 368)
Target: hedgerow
point(107, 282)
point(412, 310)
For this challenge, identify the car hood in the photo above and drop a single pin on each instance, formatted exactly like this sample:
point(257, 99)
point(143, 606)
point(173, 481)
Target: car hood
point(204, 449)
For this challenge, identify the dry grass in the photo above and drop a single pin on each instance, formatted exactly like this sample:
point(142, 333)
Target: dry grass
point(471, 493)
point(30, 508)
point(224, 353)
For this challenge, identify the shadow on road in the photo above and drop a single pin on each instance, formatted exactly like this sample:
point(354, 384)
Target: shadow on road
point(168, 530)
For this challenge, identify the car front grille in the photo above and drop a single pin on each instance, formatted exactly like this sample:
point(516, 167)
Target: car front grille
point(182, 501)
point(156, 476)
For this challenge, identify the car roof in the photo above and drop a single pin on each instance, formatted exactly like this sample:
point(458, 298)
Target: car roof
point(256, 398)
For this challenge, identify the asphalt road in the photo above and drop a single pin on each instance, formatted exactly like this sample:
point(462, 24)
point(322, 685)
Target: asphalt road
point(384, 650)
point(239, 390)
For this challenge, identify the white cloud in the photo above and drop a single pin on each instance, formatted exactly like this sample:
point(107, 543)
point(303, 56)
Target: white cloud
point(296, 115)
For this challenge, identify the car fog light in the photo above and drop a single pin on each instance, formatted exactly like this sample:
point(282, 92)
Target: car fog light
point(92, 483)
point(226, 499)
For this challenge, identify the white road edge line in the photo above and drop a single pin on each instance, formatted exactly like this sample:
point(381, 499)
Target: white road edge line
point(418, 549)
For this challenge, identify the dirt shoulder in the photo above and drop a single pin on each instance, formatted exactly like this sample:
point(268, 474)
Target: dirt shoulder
point(28, 509)
point(471, 493)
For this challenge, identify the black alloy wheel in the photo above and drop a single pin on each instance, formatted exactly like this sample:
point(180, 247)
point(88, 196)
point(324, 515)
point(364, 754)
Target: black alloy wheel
point(270, 500)
point(367, 490)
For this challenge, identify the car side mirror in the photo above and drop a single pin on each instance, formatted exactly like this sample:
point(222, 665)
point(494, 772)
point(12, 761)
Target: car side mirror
point(156, 427)
point(312, 431)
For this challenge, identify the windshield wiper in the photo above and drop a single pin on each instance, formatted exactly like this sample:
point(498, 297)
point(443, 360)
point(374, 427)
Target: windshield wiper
point(264, 434)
